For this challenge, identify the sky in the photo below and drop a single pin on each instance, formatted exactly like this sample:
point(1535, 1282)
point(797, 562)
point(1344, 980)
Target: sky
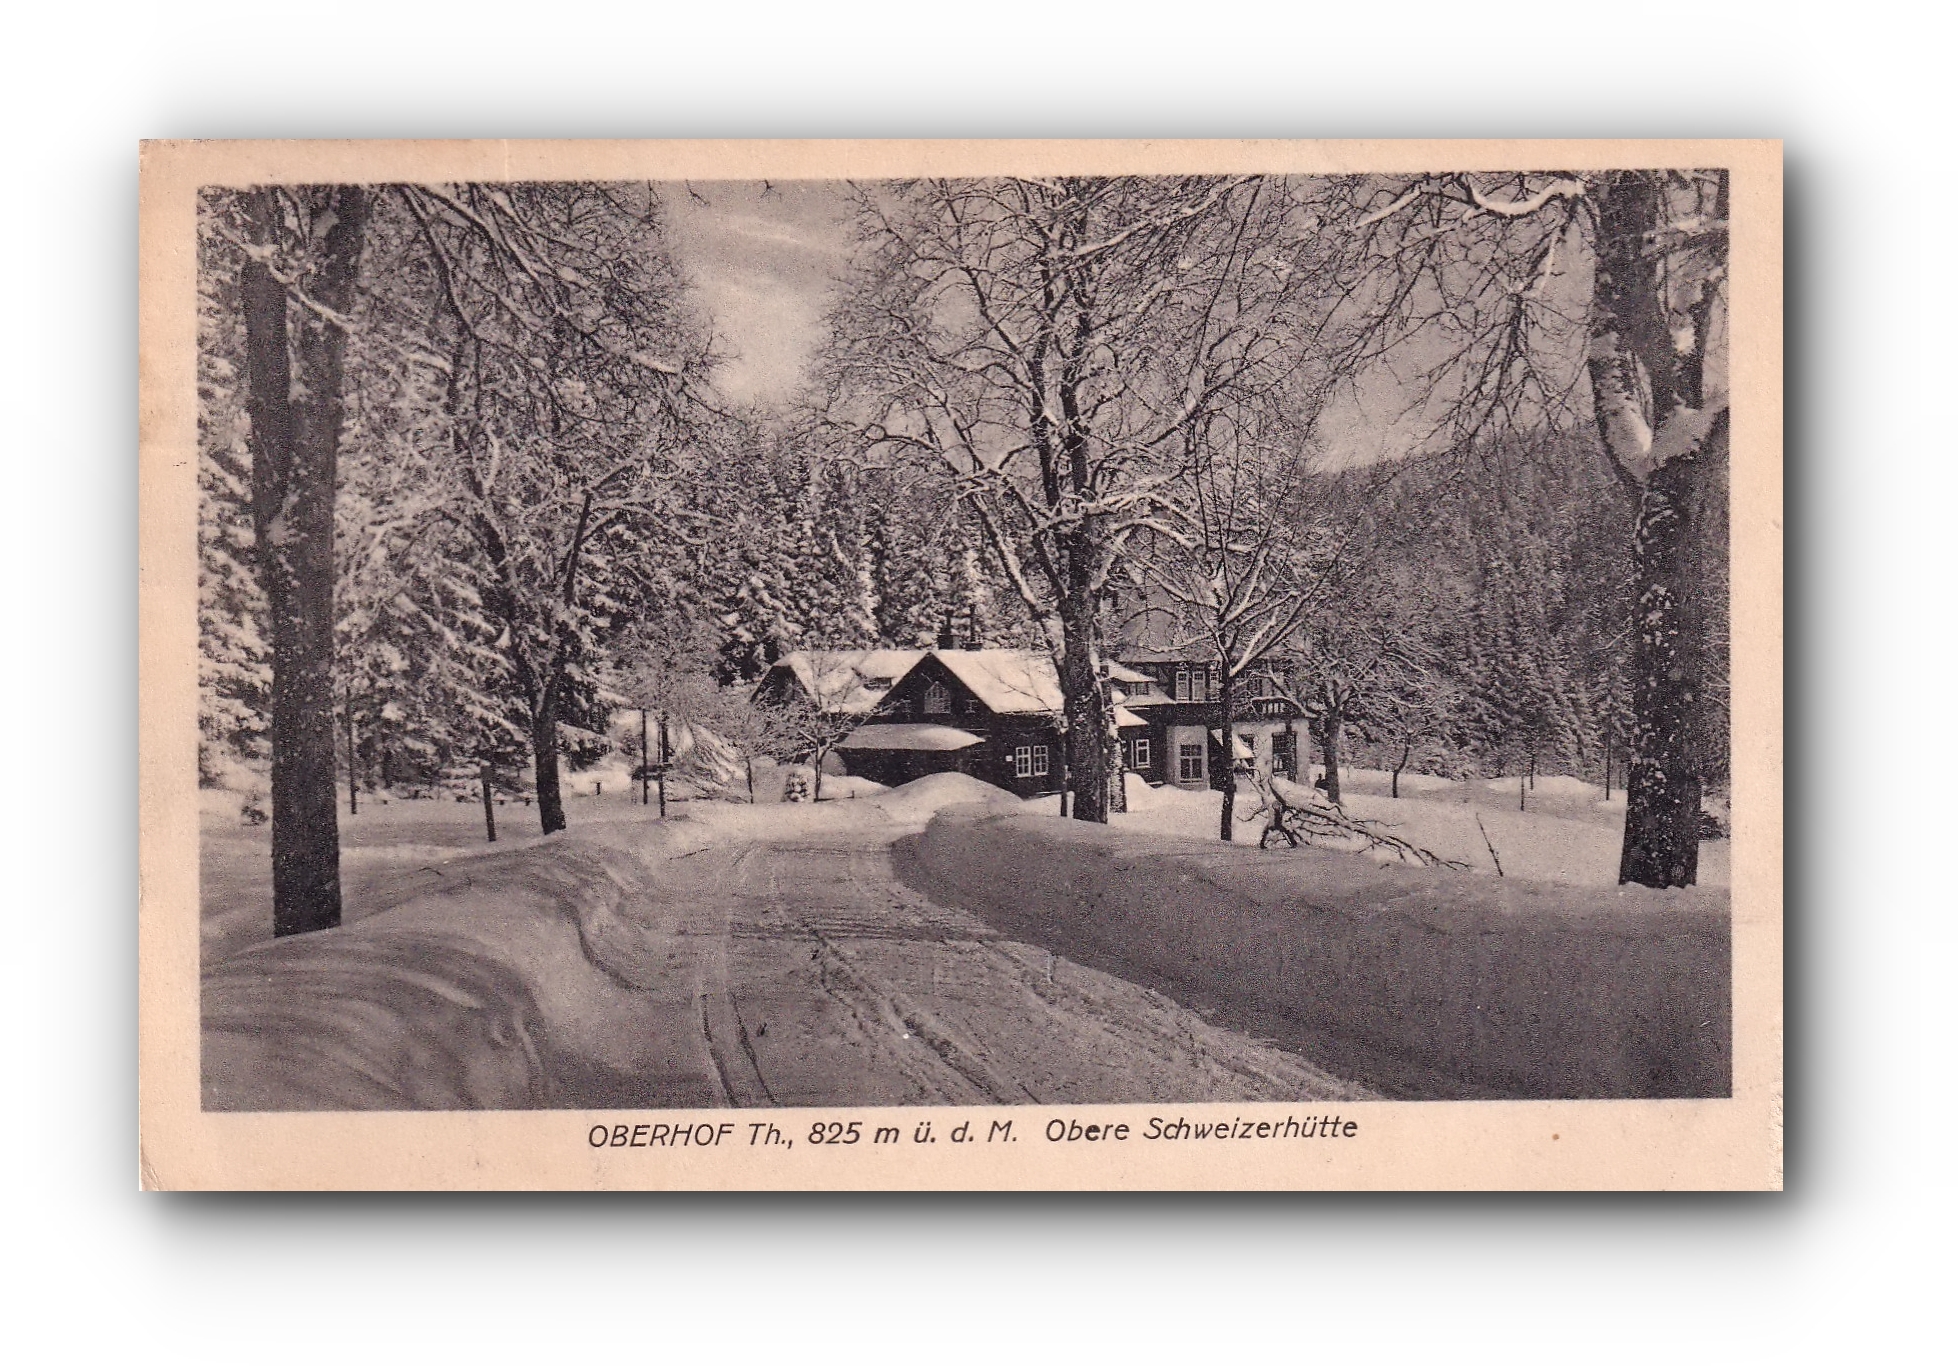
point(764, 257)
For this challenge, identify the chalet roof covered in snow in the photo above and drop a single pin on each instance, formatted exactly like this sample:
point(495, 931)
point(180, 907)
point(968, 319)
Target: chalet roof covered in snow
point(851, 682)
point(1007, 681)
point(908, 737)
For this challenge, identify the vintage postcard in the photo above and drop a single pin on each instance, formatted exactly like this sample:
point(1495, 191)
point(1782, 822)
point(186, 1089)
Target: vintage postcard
point(964, 665)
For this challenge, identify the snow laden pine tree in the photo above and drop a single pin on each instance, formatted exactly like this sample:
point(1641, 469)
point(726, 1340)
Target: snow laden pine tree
point(234, 664)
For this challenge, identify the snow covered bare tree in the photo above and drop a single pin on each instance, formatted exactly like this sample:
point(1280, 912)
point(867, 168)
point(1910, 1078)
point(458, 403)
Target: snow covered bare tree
point(1537, 301)
point(1250, 553)
point(570, 368)
point(1048, 341)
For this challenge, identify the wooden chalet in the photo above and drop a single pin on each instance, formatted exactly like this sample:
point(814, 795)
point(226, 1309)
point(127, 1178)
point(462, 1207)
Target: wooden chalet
point(993, 714)
point(1180, 697)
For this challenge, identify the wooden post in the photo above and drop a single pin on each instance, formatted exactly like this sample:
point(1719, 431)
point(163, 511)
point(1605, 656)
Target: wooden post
point(489, 803)
point(1607, 763)
point(645, 764)
point(662, 765)
point(353, 758)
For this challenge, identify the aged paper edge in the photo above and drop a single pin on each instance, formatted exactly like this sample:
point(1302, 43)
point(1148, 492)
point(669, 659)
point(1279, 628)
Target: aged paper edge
point(1729, 1144)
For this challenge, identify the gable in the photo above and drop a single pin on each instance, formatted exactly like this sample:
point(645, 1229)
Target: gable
point(1009, 682)
point(845, 682)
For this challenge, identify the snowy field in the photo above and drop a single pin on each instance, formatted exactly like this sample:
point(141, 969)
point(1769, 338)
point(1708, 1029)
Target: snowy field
point(1568, 835)
point(395, 849)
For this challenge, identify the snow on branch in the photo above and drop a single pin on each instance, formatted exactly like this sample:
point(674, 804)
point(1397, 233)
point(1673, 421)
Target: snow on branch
point(1523, 208)
point(1383, 214)
point(1681, 434)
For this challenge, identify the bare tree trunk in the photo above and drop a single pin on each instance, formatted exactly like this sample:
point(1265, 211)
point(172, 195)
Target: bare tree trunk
point(295, 454)
point(1330, 731)
point(1407, 751)
point(543, 749)
point(1226, 695)
point(489, 802)
point(662, 769)
point(1650, 395)
point(646, 766)
point(1087, 767)
point(1662, 783)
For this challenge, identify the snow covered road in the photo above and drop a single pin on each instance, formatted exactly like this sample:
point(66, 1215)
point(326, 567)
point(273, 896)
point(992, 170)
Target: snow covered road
point(801, 972)
point(737, 956)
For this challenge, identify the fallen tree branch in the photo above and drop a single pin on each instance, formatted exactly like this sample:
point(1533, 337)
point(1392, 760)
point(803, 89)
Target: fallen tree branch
point(1315, 821)
point(1487, 845)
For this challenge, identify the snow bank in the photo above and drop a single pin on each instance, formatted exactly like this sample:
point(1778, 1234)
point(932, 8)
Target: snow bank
point(503, 978)
point(469, 997)
point(845, 787)
point(1418, 980)
point(926, 796)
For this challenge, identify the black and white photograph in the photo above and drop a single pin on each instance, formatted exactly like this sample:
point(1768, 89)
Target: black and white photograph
point(1203, 653)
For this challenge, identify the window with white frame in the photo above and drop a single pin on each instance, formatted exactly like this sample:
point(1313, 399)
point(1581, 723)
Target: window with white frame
point(1182, 685)
point(1023, 761)
point(938, 700)
point(1040, 761)
point(1139, 752)
point(1189, 762)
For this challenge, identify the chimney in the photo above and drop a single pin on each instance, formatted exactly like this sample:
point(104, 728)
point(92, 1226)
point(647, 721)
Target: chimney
point(946, 640)
point(971, 628)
